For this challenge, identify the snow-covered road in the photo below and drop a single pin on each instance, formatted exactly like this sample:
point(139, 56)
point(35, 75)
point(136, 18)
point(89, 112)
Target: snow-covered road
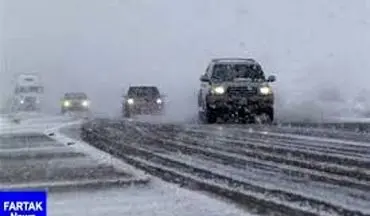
point(35, 142)
point(157, 198)
point(312, 174)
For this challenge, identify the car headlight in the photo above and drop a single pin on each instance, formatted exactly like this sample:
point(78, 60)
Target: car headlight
point(159, 101)
point(130, 101)
point(66, 103)
point(265, 90)
point(218, 90)
point(22, 101)
point(85, 103)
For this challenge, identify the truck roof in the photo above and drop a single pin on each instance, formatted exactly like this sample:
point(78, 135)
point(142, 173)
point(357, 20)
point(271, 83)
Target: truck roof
point(232, 60)
point(75, 94)
point(143, 86)
point(28, 79)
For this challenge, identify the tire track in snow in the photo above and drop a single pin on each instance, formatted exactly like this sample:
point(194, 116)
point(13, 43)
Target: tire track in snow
point(148, 161)
point(160, 145)
point(280, 147)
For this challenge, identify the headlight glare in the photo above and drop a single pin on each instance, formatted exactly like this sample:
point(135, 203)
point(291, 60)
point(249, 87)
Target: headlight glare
point(130, 101)
point(85, 103)
point(218, 90)
point(265, 90)
point(66, 103)
point(159, 101)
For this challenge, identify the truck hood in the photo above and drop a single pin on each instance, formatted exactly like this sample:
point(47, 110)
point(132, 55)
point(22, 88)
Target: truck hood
point(242, 83)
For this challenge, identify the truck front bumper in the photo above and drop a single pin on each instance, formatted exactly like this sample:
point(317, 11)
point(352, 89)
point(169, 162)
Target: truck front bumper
point(145, 109)
point(27, 107)
point(251, 104)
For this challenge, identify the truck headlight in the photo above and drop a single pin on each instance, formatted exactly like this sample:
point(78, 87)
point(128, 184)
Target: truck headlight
point(66, 103)
point(85, 103)
point(218, 90)
point(130, 101)
point(265, 90)
point(159, 101)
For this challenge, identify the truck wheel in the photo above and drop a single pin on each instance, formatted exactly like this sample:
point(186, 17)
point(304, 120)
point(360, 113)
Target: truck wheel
point(266, 116)
point(126, 114)
point(200, 117)
point(271, 114)
point(199, 99)
point(210, 116)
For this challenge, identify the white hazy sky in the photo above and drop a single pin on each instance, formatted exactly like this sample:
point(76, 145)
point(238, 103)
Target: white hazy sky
point(102, 46)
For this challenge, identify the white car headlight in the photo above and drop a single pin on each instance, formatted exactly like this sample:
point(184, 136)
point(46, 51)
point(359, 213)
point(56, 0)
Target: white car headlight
point(218, 90)
point(66, 103)
point(22, 101)
point(265, 90)
point(85, 103)
point(130, 101)
point(159, 101)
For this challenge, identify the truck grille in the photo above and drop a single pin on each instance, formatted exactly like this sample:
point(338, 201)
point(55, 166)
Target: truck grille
point(30, 99)
point(76, 103)
point(241, 91)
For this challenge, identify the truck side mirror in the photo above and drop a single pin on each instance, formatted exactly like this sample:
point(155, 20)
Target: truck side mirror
point(204, 78)
point(271, 78)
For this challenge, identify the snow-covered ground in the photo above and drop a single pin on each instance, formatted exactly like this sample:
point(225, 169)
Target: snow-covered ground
point(4, 122)
point(348, 120)
point(156, 198)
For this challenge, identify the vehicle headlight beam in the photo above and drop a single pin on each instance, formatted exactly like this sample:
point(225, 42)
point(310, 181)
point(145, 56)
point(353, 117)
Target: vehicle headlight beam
point(130, 101)
point(85, 103)
point(218, 90)
point(265, 90)
point(66, 103)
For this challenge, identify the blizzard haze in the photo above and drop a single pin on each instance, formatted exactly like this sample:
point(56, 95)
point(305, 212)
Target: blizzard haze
point(101, 47)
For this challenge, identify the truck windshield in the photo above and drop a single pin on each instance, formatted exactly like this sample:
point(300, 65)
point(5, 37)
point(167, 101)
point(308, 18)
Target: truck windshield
point(29, 89)
point(143, 92)
point(76, 96)
point(229, 72)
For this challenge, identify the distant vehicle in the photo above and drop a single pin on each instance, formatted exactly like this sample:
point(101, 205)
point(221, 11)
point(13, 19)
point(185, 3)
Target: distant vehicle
point(141, 100)
point(236, 88)
point(75, 101)
point(361, 104)
point(28, 93)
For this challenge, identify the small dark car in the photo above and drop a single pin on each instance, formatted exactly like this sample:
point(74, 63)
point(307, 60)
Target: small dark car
point(75, 101)
point(142, 100)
